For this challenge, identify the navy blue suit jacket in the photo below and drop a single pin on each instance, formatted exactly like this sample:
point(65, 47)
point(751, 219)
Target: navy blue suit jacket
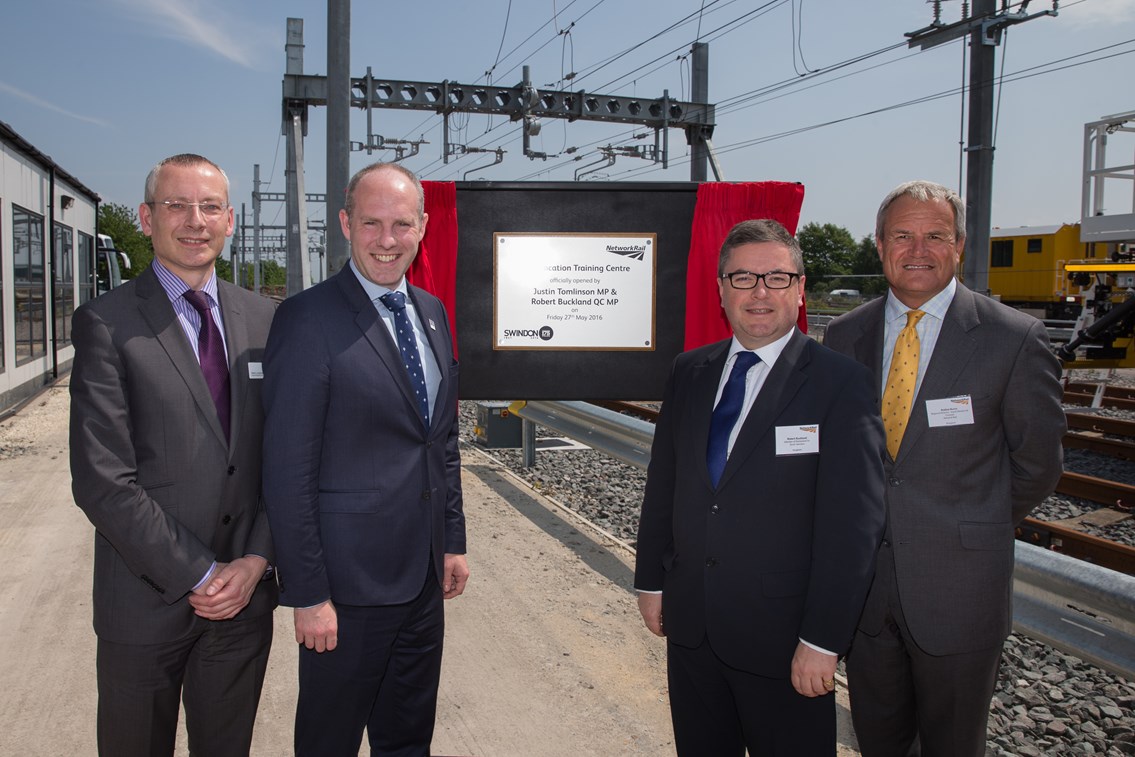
point(784, 548)
point(360, 496)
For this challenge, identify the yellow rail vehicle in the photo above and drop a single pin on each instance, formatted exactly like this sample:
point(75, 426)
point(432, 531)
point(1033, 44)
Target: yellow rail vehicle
point(1027, 268)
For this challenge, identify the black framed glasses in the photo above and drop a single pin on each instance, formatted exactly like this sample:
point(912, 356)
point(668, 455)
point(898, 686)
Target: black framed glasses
point(178, 208)
point(748, 279)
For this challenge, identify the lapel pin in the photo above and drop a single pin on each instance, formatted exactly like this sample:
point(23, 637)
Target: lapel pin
point(432, 326)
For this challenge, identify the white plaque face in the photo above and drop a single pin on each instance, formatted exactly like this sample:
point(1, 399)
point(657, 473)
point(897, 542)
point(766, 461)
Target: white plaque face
point(573, 291)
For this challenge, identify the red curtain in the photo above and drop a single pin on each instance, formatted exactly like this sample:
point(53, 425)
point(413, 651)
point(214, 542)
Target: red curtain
point(435, 268)
point(720, 206)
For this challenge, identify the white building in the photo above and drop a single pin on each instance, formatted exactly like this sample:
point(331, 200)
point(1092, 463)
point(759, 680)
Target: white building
point(47, 265)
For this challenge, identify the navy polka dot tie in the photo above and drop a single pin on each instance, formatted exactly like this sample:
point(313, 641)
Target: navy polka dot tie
point(395, 302)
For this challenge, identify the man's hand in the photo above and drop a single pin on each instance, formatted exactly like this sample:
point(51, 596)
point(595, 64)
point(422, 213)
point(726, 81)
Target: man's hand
point(813, 672)
point(456, 575)
point(229, 589)
point(317, 627)
point(650, 605)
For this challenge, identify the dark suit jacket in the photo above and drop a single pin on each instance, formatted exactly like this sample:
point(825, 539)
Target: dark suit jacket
point(784, 548)
point(359, 494)
point(149, 461)
point(955, 494)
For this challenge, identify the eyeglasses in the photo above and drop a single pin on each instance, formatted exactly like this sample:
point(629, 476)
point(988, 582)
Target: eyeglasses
point(208, 209)
point(748, 279)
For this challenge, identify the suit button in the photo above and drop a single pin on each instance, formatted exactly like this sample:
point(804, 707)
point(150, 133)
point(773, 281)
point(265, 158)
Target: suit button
point(429, 444)
point(886, 543)
point(895, 481)
point(710, 562)
point(227, 519)
point(426, 494)
point(232, 469)
point(714, 509)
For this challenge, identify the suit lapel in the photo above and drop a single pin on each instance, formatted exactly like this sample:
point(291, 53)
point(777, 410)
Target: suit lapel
point(155, 307)
point(781, 385)
point(704, 380)
point(429, 316)
point(375, 331)
point(952, 353)
point(869, 343)
point(236, 340)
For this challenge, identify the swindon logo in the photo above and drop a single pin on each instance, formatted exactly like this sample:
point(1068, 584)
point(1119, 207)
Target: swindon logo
point(544, 333)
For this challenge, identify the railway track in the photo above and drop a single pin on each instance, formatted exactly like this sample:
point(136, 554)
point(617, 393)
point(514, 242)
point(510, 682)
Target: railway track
point(1086, 432)
point(1099, 395)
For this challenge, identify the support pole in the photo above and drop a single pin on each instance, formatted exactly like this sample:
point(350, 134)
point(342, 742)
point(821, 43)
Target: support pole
point(979, 162)
point(338, 125)
point(699, 93)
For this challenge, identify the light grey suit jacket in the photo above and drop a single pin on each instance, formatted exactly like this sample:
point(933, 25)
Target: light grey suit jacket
point(955, 494)
point(149, 462)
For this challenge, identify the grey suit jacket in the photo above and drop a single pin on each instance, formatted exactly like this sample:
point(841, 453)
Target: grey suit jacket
point(955, 494)
point(149, 462)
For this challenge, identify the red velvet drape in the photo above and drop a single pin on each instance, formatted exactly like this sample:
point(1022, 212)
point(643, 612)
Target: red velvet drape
point(720, 206)
point(435, 268)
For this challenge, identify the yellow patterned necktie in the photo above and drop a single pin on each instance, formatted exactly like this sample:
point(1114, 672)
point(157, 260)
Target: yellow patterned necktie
point(901, 381)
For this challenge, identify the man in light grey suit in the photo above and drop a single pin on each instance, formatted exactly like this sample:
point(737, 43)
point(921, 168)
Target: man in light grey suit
point(981, 448)
point(166, 428)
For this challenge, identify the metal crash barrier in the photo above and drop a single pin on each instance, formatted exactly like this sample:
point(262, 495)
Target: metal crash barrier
point(1075, 606)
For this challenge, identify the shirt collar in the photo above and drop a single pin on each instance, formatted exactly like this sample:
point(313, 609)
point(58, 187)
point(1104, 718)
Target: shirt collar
point(374, 291)
point(935, 307)
point(768, 354)
point(175, 288)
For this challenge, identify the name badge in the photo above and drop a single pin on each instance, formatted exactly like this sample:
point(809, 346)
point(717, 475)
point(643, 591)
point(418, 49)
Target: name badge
point(952, 411)
point(798, 440)
point(255, 371)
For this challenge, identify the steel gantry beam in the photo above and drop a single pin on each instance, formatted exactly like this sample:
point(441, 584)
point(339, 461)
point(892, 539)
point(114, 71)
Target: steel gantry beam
point(516, 102)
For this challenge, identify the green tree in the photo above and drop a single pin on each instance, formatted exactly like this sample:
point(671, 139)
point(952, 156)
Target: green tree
point(120, 223)
point(828, 251)
point(867, 263)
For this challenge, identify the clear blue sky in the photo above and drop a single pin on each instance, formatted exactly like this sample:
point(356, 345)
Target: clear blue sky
point(108, 87)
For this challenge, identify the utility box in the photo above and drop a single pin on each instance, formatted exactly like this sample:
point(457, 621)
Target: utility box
point(497, 427)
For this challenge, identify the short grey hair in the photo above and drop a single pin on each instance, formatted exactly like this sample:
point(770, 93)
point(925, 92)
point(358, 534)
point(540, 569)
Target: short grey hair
point(924, 191)
point(349, 202)
point(757, 231)
point(185, 159)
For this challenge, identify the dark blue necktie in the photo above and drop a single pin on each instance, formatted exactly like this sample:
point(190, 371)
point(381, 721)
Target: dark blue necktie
point(395, 302)
point(211, 354)
point(726, 413)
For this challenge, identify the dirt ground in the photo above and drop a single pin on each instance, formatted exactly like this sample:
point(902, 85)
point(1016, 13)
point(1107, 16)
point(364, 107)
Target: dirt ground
point(545, 653)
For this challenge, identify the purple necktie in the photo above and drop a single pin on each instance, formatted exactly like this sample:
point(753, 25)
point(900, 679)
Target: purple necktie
point(726, 413)
point(211, 353)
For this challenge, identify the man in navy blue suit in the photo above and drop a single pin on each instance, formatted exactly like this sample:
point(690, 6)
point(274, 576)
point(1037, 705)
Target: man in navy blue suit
point(762, 513)
point(362, 481)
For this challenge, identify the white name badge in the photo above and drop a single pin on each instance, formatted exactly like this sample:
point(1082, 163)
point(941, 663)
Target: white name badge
point(952, 411)
point(256, 371)
point(798, 440)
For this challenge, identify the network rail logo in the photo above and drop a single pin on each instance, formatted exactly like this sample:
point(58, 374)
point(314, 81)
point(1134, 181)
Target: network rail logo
point(544, 333)
point(633, 251)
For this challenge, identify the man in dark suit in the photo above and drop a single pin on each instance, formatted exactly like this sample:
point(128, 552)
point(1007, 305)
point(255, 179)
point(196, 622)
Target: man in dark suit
point(165, 460)
point(974, 443)
point(363, 481)
point(762, 513)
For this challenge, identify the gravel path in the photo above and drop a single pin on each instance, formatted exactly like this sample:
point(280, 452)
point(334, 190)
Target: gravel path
point(1046, 702)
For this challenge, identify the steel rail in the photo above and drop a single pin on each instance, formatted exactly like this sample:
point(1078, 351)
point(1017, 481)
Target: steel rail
point(1083, 609)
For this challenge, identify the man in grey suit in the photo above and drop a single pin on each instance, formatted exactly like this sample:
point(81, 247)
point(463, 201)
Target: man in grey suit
point(362, 481)
point(166, 428)
point(970, 398)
